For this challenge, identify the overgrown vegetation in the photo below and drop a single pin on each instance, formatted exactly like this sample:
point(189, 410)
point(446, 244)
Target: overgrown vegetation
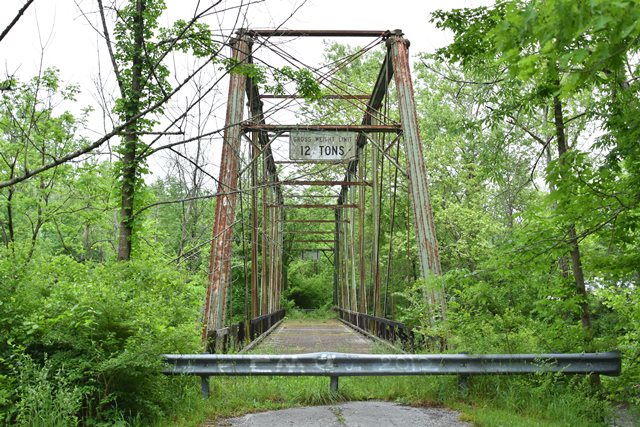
point(530, 118)
point(544, 401)
point(82, 340)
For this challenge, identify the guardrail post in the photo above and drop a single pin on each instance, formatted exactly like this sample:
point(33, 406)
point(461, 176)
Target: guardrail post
point(333, 384)
point(463, 384)
point(204, 386)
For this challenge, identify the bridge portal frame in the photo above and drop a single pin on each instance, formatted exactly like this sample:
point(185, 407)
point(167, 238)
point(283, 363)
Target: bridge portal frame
point(267, 282)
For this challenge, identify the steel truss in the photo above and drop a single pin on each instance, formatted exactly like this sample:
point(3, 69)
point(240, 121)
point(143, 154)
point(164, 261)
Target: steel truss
point(267, 207)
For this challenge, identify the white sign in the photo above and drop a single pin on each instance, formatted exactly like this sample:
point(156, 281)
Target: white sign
point(312, 255)
point(322, 145)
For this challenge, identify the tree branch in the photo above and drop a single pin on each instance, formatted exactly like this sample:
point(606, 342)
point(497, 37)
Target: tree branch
point(114, 64)
point(15, 19)
point(115, 131)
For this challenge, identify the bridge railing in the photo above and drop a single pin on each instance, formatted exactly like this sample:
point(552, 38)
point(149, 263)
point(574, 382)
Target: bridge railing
point(236, 337)
point(396, 333)
point(335, 365)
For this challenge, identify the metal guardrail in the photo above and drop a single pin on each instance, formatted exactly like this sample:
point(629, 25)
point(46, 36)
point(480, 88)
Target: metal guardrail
point(335, 365)
point(236, 337)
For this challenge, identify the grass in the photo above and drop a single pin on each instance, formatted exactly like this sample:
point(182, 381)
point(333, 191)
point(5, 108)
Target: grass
point(542, 400)
point(502, 401)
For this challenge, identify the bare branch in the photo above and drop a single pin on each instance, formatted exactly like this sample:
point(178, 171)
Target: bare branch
point(114, 63)
point(115, 131)
point(15, 19)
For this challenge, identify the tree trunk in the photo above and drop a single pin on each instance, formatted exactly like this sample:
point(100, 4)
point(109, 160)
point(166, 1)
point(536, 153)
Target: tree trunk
point(11, 234)
point(129, 161)
point(576, 261)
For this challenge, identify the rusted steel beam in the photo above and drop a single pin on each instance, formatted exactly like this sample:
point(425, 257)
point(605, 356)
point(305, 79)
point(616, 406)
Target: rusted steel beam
point(271, 257)
point(312, 249)
point(342, 183)
point(254, 229)
point(312, 241)
point(323, 97)
point(352, 251)
point(264, 295)
point(336, 260)
point(376, 203)
point(418, 180)
point(221, 244)
point(313, 206)
point(310, 196)
point(308, 232)
point(315, 33)
point(306, 162)
point(316, 220)
point(361, 244)
point(247, 126)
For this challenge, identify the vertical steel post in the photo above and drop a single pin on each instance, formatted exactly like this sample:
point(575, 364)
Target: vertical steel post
point(221, 244)
point(345, 263)
point(264, 309)
point(336, 258)
point(333, 384)
point(271, 253)
point(254, 224)
point(463, 384)
point(375, 225)
point(204, 386)
point(352, 247)
point(418, 180)
point(279, 251)
point(361, 261)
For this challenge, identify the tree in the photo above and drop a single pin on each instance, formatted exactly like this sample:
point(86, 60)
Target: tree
point(559, 67)
point(31, 134)
point(139, 49)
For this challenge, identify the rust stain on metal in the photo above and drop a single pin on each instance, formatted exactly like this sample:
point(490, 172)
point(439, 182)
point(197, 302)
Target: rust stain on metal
point(219, 263)
point(346, 128)
point(312, 241)
point(314, 206)
point(315, 33)
point(418, 181)
point(317, 220)
point(317, 182)
point(323, 96)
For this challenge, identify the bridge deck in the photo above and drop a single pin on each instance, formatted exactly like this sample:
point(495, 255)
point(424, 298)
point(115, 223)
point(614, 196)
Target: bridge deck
point(310, 336)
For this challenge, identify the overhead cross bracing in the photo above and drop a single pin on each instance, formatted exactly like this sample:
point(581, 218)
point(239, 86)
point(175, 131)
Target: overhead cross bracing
point(268, 181)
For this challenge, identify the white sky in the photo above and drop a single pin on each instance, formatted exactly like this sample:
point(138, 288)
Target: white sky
point(55, 33)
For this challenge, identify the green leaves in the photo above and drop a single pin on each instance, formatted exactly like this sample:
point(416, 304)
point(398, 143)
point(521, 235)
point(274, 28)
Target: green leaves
point(560, 79)
point(98, 329)
point(193, 37)
point(306, 84)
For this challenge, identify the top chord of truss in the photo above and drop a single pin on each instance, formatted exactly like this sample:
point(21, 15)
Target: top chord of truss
point(249, 126)
point(315, 33)
point(270, 96)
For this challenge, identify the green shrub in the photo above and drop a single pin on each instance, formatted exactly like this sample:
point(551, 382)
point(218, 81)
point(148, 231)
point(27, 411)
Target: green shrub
point(94, 332)
point(310, 284)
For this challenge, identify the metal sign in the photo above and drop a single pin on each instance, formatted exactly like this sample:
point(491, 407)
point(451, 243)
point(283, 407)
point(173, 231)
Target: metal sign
point(311, 255)
point(322, 145)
